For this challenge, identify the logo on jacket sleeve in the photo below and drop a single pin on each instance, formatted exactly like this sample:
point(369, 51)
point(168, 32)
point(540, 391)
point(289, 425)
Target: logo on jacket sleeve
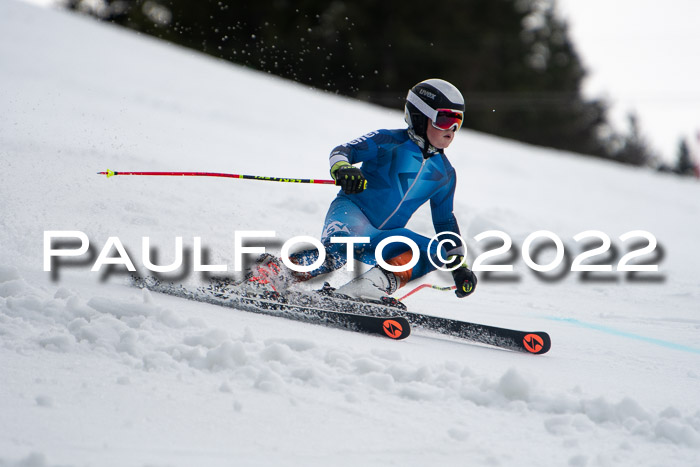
point(362, 138)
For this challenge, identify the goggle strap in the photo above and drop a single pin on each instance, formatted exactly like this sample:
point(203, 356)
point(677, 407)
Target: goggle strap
point(424, 108)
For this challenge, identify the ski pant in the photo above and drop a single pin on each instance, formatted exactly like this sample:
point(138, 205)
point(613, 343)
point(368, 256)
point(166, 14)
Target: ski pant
point(345, 219)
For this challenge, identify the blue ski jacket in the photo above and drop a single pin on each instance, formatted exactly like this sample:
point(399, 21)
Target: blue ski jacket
point(400, 180)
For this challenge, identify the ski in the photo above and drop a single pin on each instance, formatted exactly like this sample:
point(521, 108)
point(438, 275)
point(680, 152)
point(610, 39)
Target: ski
point(533, 342)
point(390, 318)
point(394, 327)
point(536, 342)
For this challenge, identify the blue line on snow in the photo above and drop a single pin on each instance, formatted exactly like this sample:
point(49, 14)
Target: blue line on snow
point(617, 332)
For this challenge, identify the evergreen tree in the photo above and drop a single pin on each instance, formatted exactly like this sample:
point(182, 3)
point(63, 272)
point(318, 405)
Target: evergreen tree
point(512, 59)
point(684, 163)
point(633, 148)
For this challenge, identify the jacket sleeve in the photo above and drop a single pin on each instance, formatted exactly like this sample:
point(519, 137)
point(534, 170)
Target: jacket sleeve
point(444, 220)
point(358, 150)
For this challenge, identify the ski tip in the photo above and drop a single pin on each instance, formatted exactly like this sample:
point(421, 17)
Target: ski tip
point(537, 342)
point(396, 328)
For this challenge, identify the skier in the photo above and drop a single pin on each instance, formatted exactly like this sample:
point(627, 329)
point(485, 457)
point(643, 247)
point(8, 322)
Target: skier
point(400, 171)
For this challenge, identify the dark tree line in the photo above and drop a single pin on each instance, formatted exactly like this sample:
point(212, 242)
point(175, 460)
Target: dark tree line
point(513, 59)
point(685, 164)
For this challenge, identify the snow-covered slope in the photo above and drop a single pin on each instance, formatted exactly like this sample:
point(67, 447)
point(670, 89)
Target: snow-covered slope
point(93, 372)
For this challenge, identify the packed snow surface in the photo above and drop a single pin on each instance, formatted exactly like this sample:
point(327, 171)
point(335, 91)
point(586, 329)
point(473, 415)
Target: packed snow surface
point(94, 372)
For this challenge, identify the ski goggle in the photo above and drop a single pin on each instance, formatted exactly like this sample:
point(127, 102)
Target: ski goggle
point(442, 119)
point(448, 119)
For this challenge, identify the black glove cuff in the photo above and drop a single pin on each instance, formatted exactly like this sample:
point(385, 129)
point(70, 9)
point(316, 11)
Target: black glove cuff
point(456, 262)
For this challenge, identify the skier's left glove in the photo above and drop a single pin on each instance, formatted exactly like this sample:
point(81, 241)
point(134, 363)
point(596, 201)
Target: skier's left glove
point(465, 279)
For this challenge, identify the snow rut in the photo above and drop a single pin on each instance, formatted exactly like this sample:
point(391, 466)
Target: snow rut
point(146, 336)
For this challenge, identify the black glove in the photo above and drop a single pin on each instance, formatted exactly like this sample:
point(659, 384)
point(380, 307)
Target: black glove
point(465, 279)
point(349, 178)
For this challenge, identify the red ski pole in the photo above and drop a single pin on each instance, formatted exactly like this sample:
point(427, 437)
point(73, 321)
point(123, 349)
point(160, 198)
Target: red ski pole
point(423, 286)
point(112, 173)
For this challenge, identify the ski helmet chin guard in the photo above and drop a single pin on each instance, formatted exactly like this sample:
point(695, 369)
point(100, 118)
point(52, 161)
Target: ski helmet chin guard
point(425, 98)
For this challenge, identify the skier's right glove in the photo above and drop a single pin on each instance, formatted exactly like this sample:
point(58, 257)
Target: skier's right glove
point(349, 178)
point(465, 279)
